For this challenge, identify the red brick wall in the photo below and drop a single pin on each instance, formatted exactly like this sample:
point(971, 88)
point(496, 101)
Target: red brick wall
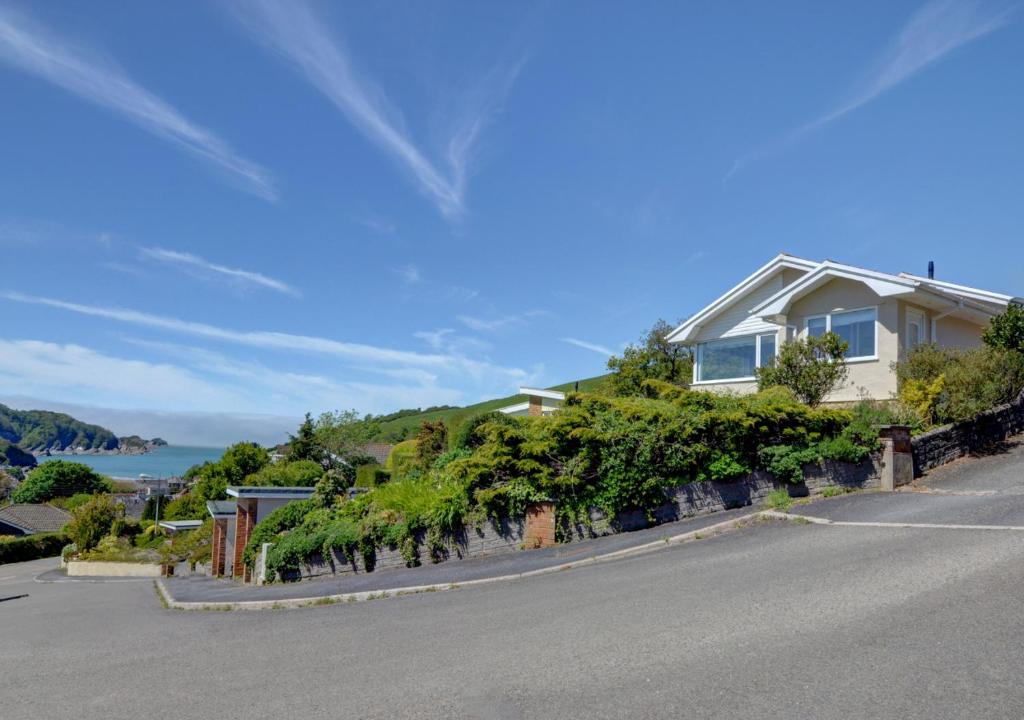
point(245, 519)
point(536, 408)
point(220, 531)
point(540, 525)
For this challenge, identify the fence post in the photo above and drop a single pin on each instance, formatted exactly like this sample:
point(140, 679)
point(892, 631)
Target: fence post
point(261, 563)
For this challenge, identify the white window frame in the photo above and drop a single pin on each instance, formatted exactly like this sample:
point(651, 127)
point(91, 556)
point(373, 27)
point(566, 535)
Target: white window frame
point(828, 328)
point(757, 357)
point(915, 317)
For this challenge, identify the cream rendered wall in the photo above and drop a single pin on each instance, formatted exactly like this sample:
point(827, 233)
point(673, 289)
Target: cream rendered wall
point(873, 378)
point(954, 332)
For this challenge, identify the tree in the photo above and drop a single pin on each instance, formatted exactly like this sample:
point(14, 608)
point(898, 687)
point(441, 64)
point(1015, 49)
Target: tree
point(343, 435)
point(430, 443)
point(300, 473)
point(7, 485)
point(92, 521)
point(305, 445)
point(811, 368)
point(654, 358)
point(1006, 331)
point(59, 478)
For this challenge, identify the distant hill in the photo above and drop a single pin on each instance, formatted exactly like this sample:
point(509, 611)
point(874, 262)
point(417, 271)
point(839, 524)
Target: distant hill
point(405, 424)
point(41, 430)
point(11, 454)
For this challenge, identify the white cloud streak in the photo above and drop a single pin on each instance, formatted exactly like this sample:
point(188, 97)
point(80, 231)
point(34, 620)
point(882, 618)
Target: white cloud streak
point(409, 273)
point(295, 31)
point(938, 28)
point(204, 266)
point(469, 369)
point(34, 50)
point(592, 347)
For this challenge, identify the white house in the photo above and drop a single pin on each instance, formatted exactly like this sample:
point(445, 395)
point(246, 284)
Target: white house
point(538, 402)
point(879, 315)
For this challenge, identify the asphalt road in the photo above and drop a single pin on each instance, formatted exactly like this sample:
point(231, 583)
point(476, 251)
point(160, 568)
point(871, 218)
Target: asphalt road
point(779, 620)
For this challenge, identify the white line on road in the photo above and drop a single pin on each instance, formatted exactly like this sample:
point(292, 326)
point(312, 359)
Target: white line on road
point(851, 523)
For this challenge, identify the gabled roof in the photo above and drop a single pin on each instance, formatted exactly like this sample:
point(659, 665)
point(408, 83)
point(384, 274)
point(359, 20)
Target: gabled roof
point(688, 329)
point(932, 293)
point(378, 451)
point(30, 518)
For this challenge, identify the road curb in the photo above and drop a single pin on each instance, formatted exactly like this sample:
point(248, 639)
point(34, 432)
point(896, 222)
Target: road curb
point(364, 595)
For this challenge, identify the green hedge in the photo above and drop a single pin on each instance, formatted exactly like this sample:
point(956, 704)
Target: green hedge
point(32, 547)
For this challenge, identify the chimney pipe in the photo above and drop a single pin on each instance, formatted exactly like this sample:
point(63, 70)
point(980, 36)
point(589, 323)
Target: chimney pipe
point(931, 269)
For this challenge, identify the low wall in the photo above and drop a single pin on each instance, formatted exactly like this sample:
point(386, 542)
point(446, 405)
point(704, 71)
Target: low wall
point(945, 444)
point(112, 569)
point(701, 498)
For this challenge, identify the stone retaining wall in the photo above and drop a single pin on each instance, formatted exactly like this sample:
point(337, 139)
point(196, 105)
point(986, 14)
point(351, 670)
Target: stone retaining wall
point(945, 444)
point(689, 500)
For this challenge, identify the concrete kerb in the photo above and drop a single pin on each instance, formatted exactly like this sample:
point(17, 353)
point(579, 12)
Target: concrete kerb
point(362, 596)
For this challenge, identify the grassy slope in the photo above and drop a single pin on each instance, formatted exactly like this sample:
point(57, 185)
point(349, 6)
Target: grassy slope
point(407, 427)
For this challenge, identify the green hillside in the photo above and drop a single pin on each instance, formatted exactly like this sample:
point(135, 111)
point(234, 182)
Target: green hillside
point(11, 454)
point(36, 430)
point(407, 426)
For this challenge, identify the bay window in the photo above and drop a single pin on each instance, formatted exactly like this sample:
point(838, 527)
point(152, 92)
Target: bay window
point(734, 358)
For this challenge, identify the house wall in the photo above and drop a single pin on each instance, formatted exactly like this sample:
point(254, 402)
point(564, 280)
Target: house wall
point(871, 377)
point(737, 320)
point(954, 332)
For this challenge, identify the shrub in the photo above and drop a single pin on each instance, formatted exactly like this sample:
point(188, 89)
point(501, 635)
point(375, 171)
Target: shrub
point(92, 521)
point(653, 358)
point(117, 549)
point(329, 487)
point(190, 506)
point(402, 459)
point(973, 380)
point(298, 473)
point(59, 478)
point(366, 475)
point(431, 442)
point(32, 547)
point(470, 434)
point(922, 396)
point(1006, 331)
point(811, 368)
point(266, 530)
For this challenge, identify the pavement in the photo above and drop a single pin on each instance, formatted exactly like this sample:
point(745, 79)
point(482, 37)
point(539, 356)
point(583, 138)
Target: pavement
point(781, 619)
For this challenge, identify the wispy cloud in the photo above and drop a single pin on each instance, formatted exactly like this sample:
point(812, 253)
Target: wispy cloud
point(299, 34)
point(593, 347)
point(25, 45)
point(409, 273)
point(199, 265)
point(935, 30)
point(370, 356)
point(493, 324)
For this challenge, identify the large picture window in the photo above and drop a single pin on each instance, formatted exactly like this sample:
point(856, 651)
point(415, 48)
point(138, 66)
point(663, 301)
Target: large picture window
point(856, 327)
point(734, 358)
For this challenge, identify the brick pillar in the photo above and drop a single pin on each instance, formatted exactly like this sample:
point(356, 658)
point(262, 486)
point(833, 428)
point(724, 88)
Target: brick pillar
point(536, 406)
point(245, 519)
point(897, 456)
point(219, 551)
point(540, 525)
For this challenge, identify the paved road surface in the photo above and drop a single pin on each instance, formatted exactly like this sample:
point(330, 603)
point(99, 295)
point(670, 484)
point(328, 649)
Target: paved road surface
point(780, 620)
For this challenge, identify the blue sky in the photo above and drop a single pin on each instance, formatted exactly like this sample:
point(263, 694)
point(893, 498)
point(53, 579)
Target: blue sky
point(261, 208)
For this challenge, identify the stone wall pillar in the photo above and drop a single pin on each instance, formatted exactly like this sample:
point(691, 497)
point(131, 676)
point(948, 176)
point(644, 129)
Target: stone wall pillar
point(897, 456)
point(540, 525)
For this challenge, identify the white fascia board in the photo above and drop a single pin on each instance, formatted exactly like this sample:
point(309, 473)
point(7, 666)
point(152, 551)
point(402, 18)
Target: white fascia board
point(538, 392)
point(519, 407)
point(882, 284)
point(965, 290)
point(266, 492)
point(689, 329)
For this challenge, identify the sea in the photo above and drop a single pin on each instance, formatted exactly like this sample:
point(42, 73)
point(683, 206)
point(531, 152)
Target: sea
point(162, 462)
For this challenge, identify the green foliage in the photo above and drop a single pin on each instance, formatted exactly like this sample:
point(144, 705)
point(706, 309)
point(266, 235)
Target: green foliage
point(810, 367)
point(59, 478)
point(42, 430)
point(190, 506)
point(343, 435)
point(193, 546)
point(922, 396)
point(329, 488)
point(266, 530)
point(654, 358)
point(973, 380)
point(11, 454)
point(1006, 331)
point(779, 499)
point(617, 454)
point(431, 442)
point(402, 459)
point(210, 480)
point(93, 520)
point(112, 548)
point(304, 446)
point(371, 474)
point(470, 433)
point(32, 547)
point(294, 473)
